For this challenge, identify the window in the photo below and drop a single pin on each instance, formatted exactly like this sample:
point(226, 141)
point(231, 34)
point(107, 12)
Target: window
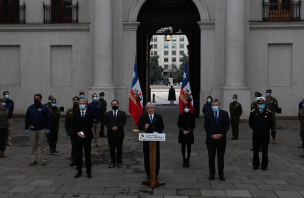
point(155, 39)
point(151, 39)
point(165, 66)
point(173, 45)
point(181, 52)
point(155, 53)
point(173, 38)
point(181, 59)
point(155, 46)
point(165, 59)
point(60, 11)
point(281, 10)
point(173, 52)
point(151, 46)
point(181, 38)
point(151, 53)
point(11, 11)
point(181, 45)
point(166, 45)
point(173, 59)
point(166, 53)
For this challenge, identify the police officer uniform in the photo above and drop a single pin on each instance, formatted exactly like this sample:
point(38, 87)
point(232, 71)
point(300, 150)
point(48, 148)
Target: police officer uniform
point(254, 104)
point(272, 105)
point(301, 118)
point(52, 137)
point(69, 129)
point(260, 121)
point(102, 117)
point(82, 96)
point(48, 104)
point(235, 114)
point(4, 115)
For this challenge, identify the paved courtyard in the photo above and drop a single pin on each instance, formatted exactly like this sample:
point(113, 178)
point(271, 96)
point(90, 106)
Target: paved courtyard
point(284, 178)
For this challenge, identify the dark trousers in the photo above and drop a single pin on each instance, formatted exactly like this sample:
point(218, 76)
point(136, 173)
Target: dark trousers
point(235, 126)
point(115, 143)
point(217, 148)
point(147, 158)
point(74, 147)
point(52, 137)
point(273, 128)
point(184, 150)
point(3, 138)
point(260, 140)
point(83, 143)
point(102, 123)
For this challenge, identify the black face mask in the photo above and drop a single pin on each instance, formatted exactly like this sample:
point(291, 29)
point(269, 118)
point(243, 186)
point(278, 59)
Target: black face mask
point(114, 108)
point(37, 101)
point(75, 106)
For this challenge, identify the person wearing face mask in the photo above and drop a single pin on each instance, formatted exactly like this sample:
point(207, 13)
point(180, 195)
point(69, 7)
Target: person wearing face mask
point(52, 137)
point(49, 103)
point(261, 121)
point(115, 120)
point(82, 96)
point(254, 104)
point(10, 106)
point(38, 123)
point(207, 106)
point(186, 125)
point(70, 130)
point(103, 113)
point(216, 124)
point(235, 109)
point(301, 118)
point(272, 105)
point(96, 108)
point(4, 115)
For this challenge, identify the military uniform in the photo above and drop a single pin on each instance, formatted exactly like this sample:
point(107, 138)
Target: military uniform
point(69, 129)
point(102, 117)
point(48, 104)
point(254, 104)
point(82, 96)
point(260, 121)
point(52, 137)
point(301, 118)
point(272, 105)
point(4, 114)
point(235, 114)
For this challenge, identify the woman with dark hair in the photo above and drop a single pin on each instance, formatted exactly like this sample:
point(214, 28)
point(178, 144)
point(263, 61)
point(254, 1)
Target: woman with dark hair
point(207, 105)
point(186, 125)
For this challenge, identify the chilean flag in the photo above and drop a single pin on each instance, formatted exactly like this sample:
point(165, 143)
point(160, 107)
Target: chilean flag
point(135, 98)
point(185, 93)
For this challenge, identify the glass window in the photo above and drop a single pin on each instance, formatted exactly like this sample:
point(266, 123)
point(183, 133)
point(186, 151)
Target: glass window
point(151, 53)
point(152, 46)
point(155, 46)
point(181, 38)
point(173, 59)
point(165, 59)
point(151, 39)
point(166, 66)
point(173, 38)
point(166, 53)
point(166, 45)
point(181, 45)
point(173, 45)
point(181, 59)
point(173, 52)
point(155, 39)
point(155, 53)
point(181, 52)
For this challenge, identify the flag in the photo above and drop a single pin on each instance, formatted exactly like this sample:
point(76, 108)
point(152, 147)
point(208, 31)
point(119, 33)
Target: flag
point(135, 98)
point(185, 93)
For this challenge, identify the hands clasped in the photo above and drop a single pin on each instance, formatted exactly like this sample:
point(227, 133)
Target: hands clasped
point(216, 136)
point(185, 132)
point(147, 126)
point(81, 134)
point(114, 128)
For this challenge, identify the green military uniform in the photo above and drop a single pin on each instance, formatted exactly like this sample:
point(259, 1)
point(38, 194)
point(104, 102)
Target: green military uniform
point(301, 118)
point(52, 137)
point(272, 105)
point(69, 128)
point(254, 104)
point(102, 117)
point(4, 114)
point(235, 114)
point(48, 104)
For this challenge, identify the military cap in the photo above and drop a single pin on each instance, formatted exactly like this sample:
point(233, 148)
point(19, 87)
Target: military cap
point(54, 100)
point(234, 96)
point(261, 100)
point(257, 94)
point(81, 93)
point(101, 94)
point(75, 99)
point(50, 97)
point(268, 90)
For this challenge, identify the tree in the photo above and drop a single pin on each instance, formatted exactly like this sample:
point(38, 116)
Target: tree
point(178, 77)
point(155, 70)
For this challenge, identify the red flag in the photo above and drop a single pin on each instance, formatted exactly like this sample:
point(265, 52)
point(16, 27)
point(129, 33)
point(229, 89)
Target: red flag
point(185, 93)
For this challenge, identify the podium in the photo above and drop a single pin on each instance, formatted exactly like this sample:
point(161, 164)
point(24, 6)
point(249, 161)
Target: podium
point(152, 138)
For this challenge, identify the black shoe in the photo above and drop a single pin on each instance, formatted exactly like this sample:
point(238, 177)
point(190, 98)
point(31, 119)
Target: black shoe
point(251, 149)
point(73, 164)
point(211, 178)
point(55, 151)
point(264, 169)
point(51, 151)
point(112, 165)
point(222, 178)
point(89, 175)
point(187, 162)
point(148, 178)
point(255, 167)
point(78, 174)
point(184, 163)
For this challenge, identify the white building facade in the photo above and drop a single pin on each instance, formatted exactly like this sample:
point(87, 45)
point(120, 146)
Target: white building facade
point(242, 50)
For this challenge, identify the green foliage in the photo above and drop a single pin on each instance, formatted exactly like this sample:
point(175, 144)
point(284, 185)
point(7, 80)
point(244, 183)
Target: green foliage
point(178, 76)
point(155, 70)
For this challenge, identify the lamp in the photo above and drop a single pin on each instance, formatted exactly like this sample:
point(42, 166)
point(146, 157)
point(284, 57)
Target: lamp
point(168, 37)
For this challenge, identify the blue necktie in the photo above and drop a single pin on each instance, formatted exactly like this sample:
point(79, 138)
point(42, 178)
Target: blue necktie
point(216, 118)
point(151, 119)
point(82, 115)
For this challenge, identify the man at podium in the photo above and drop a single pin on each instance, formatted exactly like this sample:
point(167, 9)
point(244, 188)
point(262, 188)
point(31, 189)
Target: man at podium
point(150, 123)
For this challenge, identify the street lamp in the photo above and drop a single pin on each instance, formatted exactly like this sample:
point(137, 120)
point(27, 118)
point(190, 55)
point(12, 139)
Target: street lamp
point(168, 37)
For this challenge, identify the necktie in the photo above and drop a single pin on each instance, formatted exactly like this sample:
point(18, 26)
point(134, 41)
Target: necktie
point(151, 120)
point(114, 116)
point(216, 118)
point(82, 115)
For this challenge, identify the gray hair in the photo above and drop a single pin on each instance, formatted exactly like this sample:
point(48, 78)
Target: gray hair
point(150, 103)
point(216, 100)
point(82, 100)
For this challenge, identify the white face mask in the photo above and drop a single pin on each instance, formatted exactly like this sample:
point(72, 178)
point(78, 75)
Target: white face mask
point(187, 110)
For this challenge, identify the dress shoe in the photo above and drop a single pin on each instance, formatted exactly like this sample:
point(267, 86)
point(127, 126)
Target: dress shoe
point(112, 165)
point(3, 154)
point(78, 174)
point(251, 149)
point(43, 163)
point(55, 151)
point(273, 140)
point(148, 177)
point(9, 143)
point(51, 151)
point(119, 165)
point(301, 156)
point(73, 164)
point(264, 168)
point(300, 146)
point(89, 175)
point(211, 178)
point(222, 178)
point(33, 163)
point(255, 167)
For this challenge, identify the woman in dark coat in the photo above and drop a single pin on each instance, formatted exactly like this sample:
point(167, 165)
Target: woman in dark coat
point(207, 105)
point(171, 96)
point(186, 125)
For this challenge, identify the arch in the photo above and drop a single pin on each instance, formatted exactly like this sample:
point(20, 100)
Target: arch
point(200, 4)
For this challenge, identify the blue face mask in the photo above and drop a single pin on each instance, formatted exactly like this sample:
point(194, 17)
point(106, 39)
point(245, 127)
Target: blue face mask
point(209, 100)
point(303, 104)
point(95, 98)
point(215, 108)
point(256, 98)
point(233, 100)
point(81, 96)
point(54, 105)
point(102, 97)
point(50, 101)
point(267, 94)
point(261, 106)
point(3, 104)
point(7, 96)
point(82, 107)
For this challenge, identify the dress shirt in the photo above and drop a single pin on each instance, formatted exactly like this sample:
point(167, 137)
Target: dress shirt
point(114, 112)
point(84, 111)
point(152, 116)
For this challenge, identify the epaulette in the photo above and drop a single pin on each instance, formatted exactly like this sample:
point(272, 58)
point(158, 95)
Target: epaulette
point(268, 110)
point(253, 110)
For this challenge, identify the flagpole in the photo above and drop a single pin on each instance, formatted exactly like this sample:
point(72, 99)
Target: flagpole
point(136, 129)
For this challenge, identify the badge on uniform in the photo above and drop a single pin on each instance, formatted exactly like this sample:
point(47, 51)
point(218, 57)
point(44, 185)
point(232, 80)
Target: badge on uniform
point(32, 127)
point(94, 120)
point(266, 116)
point(39, 109)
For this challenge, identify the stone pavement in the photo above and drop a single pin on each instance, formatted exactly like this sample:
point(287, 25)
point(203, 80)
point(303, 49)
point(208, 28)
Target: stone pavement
point(284, 178)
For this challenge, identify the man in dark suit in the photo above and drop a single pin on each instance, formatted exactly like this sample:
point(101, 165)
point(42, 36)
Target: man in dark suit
point(216, 125)
point(150, 123)
point(82, 124)
point(115, 120)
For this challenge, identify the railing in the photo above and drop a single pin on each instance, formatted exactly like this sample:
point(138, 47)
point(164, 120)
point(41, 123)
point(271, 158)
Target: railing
point(12, 14)
point(282, 11)
point(60, 14)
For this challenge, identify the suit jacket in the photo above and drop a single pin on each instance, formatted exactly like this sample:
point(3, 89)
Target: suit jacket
point(212, 127)
point(261, 122)
point(84, 125)
point(157, 124)
point(119, 123)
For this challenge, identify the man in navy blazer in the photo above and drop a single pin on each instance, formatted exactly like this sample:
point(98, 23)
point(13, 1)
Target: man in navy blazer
point(216, 125)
